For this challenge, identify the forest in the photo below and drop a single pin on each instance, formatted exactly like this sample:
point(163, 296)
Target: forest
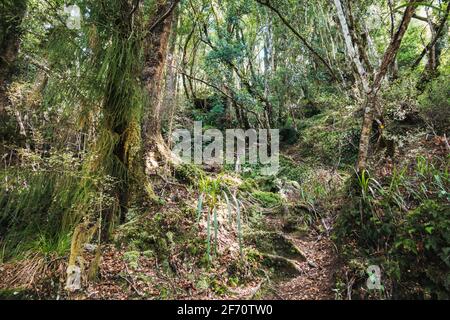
point(320, 136)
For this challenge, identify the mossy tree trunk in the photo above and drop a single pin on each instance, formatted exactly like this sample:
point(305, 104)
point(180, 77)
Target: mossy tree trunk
point(120, 139)
point(371, 89)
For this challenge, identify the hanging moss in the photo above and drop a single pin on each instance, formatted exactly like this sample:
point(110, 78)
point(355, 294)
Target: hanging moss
point(117, 151)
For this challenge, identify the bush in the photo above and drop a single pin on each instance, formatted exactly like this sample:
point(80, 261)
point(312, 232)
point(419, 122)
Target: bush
point(402, 224)
point(435, 104)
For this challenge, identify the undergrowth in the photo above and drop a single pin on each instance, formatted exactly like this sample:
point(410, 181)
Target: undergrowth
point(402, 224)
point(41, 201)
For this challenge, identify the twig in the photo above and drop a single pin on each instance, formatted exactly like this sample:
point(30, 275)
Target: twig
point(131, 283)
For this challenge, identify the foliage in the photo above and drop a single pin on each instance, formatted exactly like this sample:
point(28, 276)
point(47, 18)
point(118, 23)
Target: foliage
point(435, 104)
point(38, 204)
point(74, 110)
point(189, 173)
point(404, 220)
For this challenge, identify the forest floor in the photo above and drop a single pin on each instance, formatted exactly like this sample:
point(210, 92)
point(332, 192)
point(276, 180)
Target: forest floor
point(122, 276)
point(160, 253)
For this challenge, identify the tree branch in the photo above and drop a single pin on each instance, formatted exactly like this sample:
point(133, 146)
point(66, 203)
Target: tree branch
point(434, 40)
point(391, 51)
point(267, 4)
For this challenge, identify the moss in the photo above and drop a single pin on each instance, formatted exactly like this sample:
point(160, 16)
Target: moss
point(15, 294)
point(268, 199)
point(274, 243)
point(189, 173)
point(132, 258)
point(266, 183)
point(293, 171)
point(162, 234)
point(249, 185)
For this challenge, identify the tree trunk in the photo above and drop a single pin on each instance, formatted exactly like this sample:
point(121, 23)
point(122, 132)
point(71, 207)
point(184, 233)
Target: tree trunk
point(371, 100)
point(352, 50)
point(440, 33)
point(359, 42)
point(393, 70)
point(431, 65)
point(171, 83)
point(11, 15)
point(117, 100)
point(171, 97)
point(155, 56)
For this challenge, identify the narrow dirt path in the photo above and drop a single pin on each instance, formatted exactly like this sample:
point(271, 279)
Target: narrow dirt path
point(316, 278)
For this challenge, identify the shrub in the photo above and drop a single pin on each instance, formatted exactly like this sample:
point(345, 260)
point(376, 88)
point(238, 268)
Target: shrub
point(402, 224)
point(435, 104)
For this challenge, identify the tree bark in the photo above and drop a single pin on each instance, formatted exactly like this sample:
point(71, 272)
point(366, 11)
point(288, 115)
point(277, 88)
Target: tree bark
point(394, 67)
point(360, 42)
point(171, 97)
point(439, 33)
point(155, 56)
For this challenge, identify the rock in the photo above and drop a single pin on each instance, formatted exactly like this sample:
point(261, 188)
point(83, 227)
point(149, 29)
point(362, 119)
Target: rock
point(275, 243)
point(285, 267)
point(90, 247)
point(289, 190)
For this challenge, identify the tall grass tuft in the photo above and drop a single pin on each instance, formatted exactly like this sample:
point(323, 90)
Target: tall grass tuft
point(208, 238)
point(216, 231)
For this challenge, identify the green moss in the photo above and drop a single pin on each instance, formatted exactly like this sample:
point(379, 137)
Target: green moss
point(249, 185)
point(162, 234)
point(15, 294)
point(268, 199)
point(293, 171)
point(132, 258)
point(189, 173)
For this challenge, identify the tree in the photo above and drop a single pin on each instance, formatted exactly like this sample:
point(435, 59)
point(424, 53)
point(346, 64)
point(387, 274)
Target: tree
point(371, 90)
point(434, 47)
point(119, 141)
point(11, 14)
